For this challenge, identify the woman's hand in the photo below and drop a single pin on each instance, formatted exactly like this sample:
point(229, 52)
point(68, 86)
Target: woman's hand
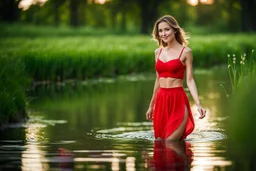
point(149, 114)
point(201, 111)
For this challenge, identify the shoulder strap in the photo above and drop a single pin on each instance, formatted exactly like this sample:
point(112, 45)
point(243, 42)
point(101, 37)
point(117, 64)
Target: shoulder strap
point(159, 53)
point(181, 52)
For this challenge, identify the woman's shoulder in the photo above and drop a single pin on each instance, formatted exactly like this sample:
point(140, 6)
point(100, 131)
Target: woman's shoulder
point(187, 53)
point(187, 50)
point(157, 51)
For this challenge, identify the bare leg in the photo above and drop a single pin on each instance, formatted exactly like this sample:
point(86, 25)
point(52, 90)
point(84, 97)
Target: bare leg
point(177, 146)
point(176, 135)
point(159, 139)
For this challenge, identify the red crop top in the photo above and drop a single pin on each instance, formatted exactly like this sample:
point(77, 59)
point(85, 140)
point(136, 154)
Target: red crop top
point(172, 68)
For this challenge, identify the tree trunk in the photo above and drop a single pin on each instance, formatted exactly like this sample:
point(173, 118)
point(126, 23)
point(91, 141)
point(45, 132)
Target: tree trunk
point(113, 20)
point(9, 10)
point(123, 23)
point(56, 13)
point(184, 18)
point(248, 15)
point(144, 20)
point(199, 13)
point(82, 14)
point(233, 21)
point(73, 8)
point(148, 14)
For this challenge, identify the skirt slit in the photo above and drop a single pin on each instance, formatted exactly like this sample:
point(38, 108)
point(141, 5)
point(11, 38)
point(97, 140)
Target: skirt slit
point(169, 112)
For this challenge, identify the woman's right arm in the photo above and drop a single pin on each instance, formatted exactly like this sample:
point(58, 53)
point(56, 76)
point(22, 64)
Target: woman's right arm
point(149, 114)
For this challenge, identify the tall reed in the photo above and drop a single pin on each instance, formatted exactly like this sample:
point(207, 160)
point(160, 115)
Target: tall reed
point(240, 69)
point(241, 110)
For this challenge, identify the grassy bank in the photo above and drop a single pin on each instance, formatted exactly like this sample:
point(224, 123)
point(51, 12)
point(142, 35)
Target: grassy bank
point(12, 90)
point(47, 54)
point(59, 58)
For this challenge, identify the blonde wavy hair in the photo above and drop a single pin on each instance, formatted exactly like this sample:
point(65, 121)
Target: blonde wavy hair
point(180, 35)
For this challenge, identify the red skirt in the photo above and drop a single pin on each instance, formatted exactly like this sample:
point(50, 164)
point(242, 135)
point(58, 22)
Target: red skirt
point(169, 112)
point(176, 157)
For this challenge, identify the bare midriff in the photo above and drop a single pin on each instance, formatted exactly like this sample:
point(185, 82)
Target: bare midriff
point(170, 82)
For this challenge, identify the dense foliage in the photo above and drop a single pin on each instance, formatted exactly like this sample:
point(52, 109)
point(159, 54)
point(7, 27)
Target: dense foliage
point(12, 89)
point(133, 15)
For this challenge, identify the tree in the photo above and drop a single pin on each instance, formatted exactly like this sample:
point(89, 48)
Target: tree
point(234, 19)
point(248, 15)
point(148, 13)
point(119, 9)
point(9, 10)
point(73, 8)
point(56, 12)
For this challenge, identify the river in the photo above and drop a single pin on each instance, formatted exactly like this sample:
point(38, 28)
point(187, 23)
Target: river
point(100, 125)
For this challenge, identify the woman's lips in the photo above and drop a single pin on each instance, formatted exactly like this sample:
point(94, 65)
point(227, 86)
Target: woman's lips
point(165, 38)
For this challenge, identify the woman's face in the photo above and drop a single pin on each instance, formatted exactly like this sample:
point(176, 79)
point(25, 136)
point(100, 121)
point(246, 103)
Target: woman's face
point(166, 32)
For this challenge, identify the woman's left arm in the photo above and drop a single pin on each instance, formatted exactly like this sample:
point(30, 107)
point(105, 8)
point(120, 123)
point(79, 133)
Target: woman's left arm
point(191, 82)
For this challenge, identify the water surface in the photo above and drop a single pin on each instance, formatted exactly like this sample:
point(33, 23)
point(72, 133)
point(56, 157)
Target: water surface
point(101, 125)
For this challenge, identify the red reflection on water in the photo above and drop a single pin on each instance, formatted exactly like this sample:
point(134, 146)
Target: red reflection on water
point(171, 156)
point(66, 159)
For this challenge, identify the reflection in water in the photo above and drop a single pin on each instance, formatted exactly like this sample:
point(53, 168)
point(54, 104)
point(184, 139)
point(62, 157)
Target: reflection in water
point(207, 157)
point(65, 159)
point(113, 135)
point(201, 124)
point(174, 155)
point(115, 164)
point(99, 159)
point(130, 163)
point(32, 156)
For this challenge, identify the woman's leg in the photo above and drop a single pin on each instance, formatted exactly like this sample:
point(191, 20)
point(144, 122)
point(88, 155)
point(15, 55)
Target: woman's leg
point(176, 135)
point(177, 146)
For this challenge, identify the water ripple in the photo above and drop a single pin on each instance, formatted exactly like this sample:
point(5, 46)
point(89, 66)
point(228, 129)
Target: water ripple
point(139, 135)
point(202, 136)
point(207, 136)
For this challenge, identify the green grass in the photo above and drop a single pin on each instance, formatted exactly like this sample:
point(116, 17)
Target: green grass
point(241, 121)
point(12, 90)
point(81, 57)
point(30, 30)
point(242, 106)
point(59, 54)
point(78, 55)
point(240, 68)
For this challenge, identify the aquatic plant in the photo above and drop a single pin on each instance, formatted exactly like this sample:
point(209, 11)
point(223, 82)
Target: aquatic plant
point(241, 109)
point(240, 68)
point(241, 124)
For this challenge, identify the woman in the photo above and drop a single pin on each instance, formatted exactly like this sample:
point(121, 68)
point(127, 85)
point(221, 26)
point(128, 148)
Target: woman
point(169, 107)
point(171, 155)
